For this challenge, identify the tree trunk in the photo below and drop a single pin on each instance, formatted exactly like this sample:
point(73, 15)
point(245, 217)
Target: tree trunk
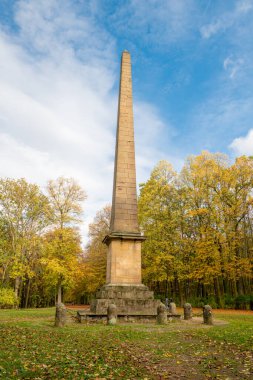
point(21, 293)
point(166, 288)
point(239, 287)
point(217, 292)
point(27, 293)
point(4, 270)
point(16, 287)
point(187, 289)
point(59, 292)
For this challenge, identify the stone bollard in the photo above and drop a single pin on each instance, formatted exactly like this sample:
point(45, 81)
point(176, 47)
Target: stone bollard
point(207, 315)
point(60, 315)
point(187, 311)
point(172, 308)
point(161, 314)
point(112, 314)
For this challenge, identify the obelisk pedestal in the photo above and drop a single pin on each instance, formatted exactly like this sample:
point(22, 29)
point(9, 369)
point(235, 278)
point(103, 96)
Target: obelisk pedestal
point(123, 278)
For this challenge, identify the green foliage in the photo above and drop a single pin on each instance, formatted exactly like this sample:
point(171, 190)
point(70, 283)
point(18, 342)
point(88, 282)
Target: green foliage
point(60, 253)
point(243, 302)
point(199, 227)
point(7, 298)
point(92, 268)
point(202, 301)
point(65, 197)
point(157, 209)
point(37, 237)
point(24, 212)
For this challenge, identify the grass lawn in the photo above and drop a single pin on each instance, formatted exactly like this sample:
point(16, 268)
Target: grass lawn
point(31, 348)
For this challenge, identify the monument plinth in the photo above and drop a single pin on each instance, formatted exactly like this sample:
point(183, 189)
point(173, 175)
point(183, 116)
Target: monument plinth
point(123, 278)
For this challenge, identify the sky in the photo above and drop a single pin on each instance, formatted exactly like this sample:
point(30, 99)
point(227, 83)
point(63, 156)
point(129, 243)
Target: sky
point(192, 67)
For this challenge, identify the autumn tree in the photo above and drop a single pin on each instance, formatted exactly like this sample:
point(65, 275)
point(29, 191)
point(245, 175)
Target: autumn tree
point(5, 251)
point(24, 214)
point(60, 259)
point(198, 224)
point(199, 228)
point(219, 203)
point(93, 265)
point(65, 198)
point(96, 251)
point(158, 217)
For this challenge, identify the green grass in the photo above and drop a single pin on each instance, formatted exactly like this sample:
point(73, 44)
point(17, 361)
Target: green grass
point(239, 331)
point(32, 348)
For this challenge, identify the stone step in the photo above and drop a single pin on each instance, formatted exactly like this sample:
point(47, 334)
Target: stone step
point(126, 306)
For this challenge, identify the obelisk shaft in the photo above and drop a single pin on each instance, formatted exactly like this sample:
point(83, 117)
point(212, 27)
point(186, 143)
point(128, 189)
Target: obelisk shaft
point(124, 202)
point(124, 240)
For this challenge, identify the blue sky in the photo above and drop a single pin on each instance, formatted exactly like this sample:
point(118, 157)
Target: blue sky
point(192, 81)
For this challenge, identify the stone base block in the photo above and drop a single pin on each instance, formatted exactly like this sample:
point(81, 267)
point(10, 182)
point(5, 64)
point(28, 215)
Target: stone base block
point(89, 318)
point(129, 299)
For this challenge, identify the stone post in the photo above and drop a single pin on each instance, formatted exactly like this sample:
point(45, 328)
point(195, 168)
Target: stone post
point(187, 311)
point(161, 314)
point(207, 315)
point(112, 314)
point(60, 315)
point(172, 308)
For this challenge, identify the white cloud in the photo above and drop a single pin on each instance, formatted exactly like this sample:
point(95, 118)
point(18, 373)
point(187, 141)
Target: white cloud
point(222, 115)
point(19, 160)
point(55, 28)
point(244, 6)
point(157, 22)
point(57, 107)
point(210, 29)
point(232, 66)
point(243, 145)
point(226, 19)
point(149, 130)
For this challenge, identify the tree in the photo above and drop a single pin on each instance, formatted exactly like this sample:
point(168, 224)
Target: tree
point(24, 210)
point(158, 217)
point(201, 177)
point(5, 251)
point(61, 254)
point(65, 198)
point(219, 207)
point(93, 265)
point(199, 228)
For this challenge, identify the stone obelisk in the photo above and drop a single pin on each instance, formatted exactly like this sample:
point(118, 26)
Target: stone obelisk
point(124, 240)
point(123, 278)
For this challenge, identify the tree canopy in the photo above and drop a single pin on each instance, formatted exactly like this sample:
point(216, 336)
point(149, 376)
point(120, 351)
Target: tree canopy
point(39, 241)
point(198, 225)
